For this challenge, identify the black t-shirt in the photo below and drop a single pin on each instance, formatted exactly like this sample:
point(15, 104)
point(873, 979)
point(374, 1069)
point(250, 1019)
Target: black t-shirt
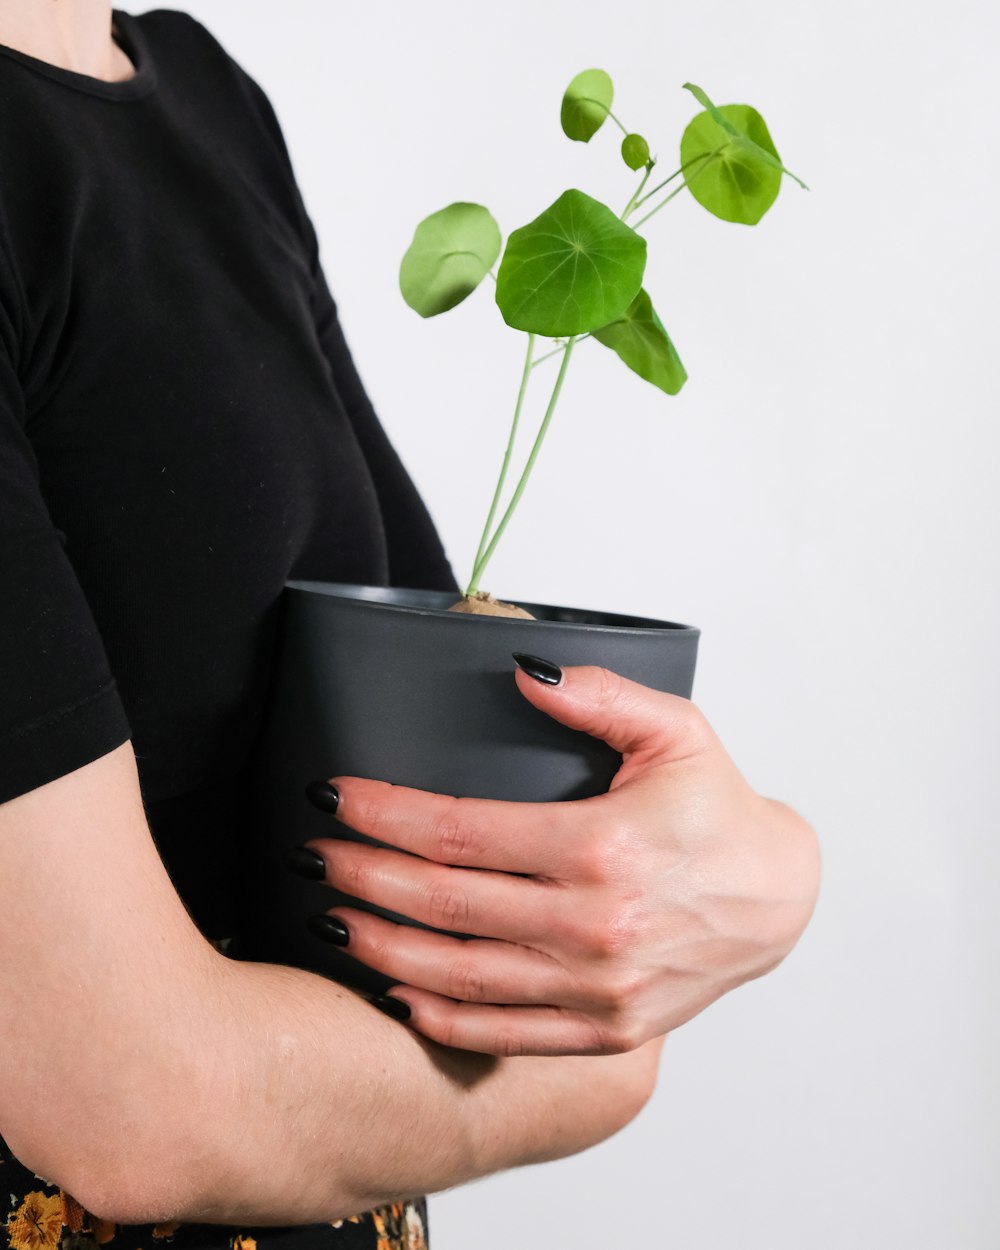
point(182, 429)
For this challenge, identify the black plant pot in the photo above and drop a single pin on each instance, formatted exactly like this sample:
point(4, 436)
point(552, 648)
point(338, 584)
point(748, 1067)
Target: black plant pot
point(385, 683)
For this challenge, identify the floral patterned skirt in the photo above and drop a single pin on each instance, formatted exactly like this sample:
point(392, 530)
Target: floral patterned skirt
point(37, 1215)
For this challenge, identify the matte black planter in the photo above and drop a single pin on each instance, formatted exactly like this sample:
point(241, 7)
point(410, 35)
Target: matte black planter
point(385, 683)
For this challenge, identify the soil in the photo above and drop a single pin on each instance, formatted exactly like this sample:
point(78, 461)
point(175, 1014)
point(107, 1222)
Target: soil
point(482, 603)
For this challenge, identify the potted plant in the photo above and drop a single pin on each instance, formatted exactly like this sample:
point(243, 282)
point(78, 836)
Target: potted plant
point(411, 687)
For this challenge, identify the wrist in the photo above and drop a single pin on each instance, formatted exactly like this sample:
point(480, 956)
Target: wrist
point(533, 1109)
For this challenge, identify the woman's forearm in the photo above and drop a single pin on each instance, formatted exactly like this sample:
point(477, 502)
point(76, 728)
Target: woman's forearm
point(311, 1106)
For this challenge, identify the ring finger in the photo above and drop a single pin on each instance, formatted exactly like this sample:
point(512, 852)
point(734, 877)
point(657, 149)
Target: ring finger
point(479, 970)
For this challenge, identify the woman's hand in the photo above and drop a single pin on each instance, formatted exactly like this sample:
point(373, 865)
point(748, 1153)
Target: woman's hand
point(632, 911)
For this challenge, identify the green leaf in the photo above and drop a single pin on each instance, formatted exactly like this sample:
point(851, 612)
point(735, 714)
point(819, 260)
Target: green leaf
point(765, 151)
point(732, 167)
point(577, 266)
point(641, 342)
point(452, 251)
point(728, 179)
point(635, 151)
point(585, 104)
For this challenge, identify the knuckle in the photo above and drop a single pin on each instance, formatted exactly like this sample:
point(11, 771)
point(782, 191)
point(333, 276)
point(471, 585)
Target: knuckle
point(376, 942)
point(351, 871)
point(602, 1038)
point(690, 719)
point(602, 855)
point(465, 981)
point(452, 837)
point(609, 685)
point(448, 906)
point(618, 995)
point(606, 704)
point(368, 811)
point(614, 936)
point(615, 1034)
point(622, 1036)
point(509, 1044)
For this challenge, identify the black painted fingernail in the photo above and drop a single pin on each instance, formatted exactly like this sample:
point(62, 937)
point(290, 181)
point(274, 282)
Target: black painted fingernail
point(394, 1007)
point(322, 795)
point(329, 930)
point(305, 862)
point(541, 670)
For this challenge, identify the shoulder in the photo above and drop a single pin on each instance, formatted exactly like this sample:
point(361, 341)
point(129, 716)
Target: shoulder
point(208, 87)
point(198, 55)
point(171, 26)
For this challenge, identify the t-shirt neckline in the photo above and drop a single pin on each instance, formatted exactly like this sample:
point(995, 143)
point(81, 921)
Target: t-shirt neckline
point(130, 38)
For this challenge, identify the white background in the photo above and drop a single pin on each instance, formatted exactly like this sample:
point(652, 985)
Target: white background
point(821, 501)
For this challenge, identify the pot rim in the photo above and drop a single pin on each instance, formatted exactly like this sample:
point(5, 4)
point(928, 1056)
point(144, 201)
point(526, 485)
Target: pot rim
point(360, 596)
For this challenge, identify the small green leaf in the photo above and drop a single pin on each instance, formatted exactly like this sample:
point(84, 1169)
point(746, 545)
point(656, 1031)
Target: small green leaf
point(452, 251)
point(635, 151)
point(585, 104)
point(575, 267)
point(641, 342)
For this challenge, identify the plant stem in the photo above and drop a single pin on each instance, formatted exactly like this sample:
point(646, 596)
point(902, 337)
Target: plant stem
point(677, 190)
point(635, 201)
point(618, 123)
point(473, 581)
point(487, 544)
point(484, 558)
point(694, 160)
point(649, 194)
point(560, 348)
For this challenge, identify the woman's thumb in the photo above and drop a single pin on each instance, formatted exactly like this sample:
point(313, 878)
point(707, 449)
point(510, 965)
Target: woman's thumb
point(626, 715)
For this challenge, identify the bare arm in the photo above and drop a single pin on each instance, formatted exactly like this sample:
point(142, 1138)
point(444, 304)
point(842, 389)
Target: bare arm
point(154, 1079)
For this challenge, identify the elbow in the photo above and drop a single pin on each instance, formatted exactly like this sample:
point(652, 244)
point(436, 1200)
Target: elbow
point(126, 1157)
point(138, 1189)
point(111, 1178)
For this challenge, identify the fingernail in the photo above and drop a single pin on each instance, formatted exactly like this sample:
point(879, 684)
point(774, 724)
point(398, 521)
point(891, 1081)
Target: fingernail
point(322, 795)
point(329, 930)
point(305, 862)
point(394, 1007)
point(541, 670)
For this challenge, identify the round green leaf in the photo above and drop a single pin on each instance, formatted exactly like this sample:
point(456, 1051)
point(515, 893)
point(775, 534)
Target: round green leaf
point(635, 151)
point(641, 342)
point(575, 267)
point(741, 137)
point(735, 180)
point(586, 104)
point(452, 251)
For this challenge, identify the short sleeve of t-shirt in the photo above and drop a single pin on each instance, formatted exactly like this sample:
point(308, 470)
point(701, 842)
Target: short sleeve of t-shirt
point(59, 703)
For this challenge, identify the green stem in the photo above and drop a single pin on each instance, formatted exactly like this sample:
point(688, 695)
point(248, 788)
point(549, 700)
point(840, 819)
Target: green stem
point(649, 194)
point(675, 174)
point(484, 559)
point(677, 190)
point(634, 202)
point(618, 123)
point(673, 193)
point(560, 348)
point(473, 586)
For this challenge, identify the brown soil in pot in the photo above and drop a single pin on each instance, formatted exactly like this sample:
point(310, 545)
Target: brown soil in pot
point(482, 603)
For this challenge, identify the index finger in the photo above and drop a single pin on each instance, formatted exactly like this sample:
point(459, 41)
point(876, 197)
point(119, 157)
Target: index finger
point(529, 838)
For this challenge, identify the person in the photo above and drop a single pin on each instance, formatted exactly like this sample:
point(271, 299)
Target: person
point(182, 429)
